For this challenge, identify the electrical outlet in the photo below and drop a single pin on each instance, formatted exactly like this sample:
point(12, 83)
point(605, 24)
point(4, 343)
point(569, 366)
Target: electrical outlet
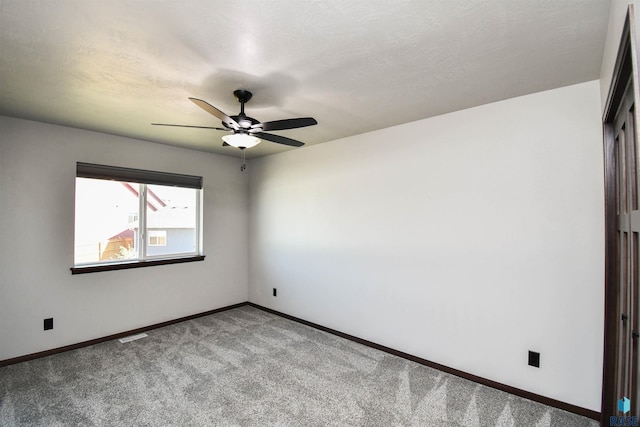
point(534, 359)
point(275, 292)
point(48, 323)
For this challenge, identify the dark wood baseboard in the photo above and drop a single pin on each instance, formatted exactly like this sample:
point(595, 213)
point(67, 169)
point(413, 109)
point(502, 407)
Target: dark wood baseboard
point(53, 351)
point(499, 386)
point(493, 384)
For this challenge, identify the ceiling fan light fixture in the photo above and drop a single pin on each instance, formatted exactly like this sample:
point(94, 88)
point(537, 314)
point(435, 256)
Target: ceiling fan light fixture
point(241, 140)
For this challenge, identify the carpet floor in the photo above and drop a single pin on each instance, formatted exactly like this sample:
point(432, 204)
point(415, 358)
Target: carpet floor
point(247, 367)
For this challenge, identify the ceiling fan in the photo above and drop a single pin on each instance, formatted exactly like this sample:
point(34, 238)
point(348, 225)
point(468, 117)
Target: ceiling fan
point(247, 131)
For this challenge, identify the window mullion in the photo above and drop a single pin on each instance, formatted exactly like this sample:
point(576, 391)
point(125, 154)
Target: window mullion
point(142, 223)
point(198, 219)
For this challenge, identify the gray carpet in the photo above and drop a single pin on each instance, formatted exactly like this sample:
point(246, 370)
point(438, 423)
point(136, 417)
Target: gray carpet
point(246, 367)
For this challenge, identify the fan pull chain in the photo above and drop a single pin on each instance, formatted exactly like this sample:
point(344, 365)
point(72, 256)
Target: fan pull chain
point(242, 157)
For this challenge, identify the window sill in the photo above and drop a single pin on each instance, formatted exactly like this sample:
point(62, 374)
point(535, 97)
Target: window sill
point(135, 264)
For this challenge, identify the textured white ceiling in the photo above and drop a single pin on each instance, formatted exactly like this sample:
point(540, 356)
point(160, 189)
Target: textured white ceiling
point(116, 66)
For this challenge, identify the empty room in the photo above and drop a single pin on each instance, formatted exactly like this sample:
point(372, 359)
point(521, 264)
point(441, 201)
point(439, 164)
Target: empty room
point(279, 212)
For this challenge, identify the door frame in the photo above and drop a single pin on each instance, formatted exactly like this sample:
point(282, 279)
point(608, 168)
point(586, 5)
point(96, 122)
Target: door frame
point(626, 67)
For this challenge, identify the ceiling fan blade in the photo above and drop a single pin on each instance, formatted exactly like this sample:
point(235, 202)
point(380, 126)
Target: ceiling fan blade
point(189, 126)
point(213, 110)
point(278, 139)
point(286, 124)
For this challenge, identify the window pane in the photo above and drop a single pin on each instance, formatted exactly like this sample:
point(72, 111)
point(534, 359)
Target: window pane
point(171, 220)
point(106, 220)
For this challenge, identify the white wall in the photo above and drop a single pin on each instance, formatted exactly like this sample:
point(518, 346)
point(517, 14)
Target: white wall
point(466, 239)
point(37, 173)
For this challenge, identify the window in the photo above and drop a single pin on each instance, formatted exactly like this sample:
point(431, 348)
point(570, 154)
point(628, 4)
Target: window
point(128, 218)
point(157, 238)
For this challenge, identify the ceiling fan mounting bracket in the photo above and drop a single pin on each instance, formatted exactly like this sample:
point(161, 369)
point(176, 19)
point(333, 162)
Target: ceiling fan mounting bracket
point(242, 95)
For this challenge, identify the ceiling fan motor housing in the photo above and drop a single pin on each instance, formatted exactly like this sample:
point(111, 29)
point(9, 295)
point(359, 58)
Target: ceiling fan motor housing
point(244, 121)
